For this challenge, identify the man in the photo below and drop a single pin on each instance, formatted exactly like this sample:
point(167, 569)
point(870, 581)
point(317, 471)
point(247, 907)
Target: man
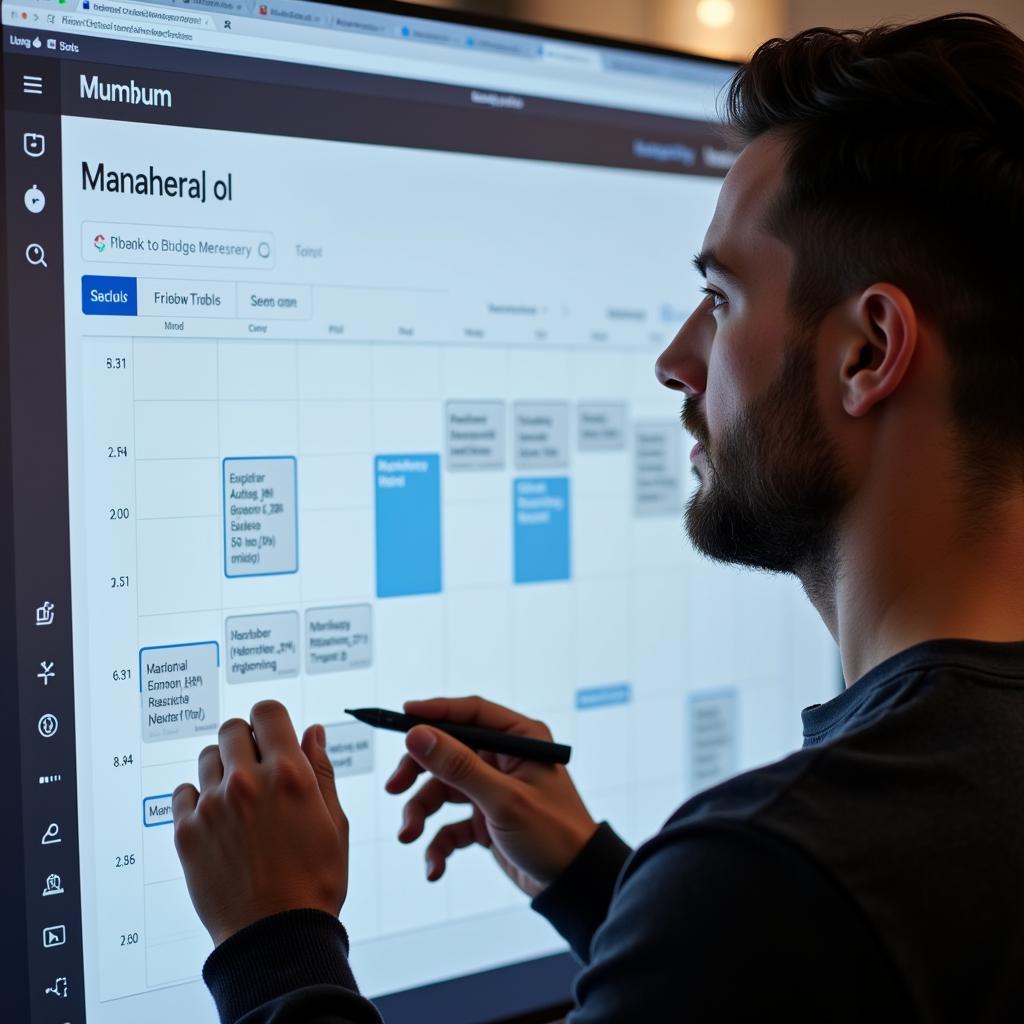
point(855, 380)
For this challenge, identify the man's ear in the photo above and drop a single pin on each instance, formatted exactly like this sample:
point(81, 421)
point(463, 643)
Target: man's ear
point(885, 337)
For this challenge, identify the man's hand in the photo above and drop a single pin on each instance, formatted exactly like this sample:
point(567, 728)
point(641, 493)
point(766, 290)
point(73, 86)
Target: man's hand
point(528, 814)
point(265, 832)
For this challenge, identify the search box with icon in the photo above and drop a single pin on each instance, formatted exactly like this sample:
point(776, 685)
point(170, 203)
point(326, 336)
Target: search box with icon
point(35, 254)
point(105, 242)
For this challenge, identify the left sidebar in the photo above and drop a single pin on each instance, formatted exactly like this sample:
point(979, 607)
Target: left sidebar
point(41, 608)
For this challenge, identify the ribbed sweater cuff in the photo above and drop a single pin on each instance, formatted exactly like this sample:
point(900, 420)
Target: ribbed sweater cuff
point(276, 955)
point(577, 901)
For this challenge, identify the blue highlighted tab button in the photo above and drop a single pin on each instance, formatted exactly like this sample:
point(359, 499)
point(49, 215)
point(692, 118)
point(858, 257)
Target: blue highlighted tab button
point(109, 296)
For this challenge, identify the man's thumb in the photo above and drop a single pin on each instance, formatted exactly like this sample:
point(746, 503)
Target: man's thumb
point(454, 763)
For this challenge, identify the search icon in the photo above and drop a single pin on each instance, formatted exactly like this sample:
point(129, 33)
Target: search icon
point(36, 255)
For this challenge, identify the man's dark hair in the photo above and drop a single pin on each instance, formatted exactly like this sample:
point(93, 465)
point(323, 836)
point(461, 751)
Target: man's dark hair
point(906, 164)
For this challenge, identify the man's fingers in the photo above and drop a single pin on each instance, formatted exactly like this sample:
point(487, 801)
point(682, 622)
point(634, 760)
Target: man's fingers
point(314, 746)
point(408, 771)
point(237, 749)
point(430, 797)
point(468, 710)
point(211, 768)
point(462, 769)
point(273, 729)
point(183, 801)
point(404, 775)
point(452, 837)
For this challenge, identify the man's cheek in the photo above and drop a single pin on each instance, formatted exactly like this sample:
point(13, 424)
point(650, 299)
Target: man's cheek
point(743, 367)
point(721, 403)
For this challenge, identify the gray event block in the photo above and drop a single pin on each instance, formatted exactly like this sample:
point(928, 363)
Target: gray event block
point(541, 434)
point(475, 434)
point(350, 748)
point(601, 426)
point(713, 740)
point(261, 647)
point(658, 468)
point(261, 534)
point(339, 638)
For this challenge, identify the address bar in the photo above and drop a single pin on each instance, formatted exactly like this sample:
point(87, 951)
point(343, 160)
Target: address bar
point(117, 26)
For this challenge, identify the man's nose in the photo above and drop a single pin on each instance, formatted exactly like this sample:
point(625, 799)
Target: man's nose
point(683, 365)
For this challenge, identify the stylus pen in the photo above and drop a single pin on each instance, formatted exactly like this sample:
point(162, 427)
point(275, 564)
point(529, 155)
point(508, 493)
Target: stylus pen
point(474, 736)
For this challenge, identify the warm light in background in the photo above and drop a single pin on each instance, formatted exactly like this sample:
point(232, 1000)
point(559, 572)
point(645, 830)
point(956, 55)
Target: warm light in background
point(715, 13)
point(720, 28)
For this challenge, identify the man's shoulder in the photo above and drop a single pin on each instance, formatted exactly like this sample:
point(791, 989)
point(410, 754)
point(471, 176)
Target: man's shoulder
point(738, 800)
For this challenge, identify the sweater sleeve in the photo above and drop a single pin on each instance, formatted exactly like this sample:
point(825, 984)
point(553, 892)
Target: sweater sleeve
point(289, 968)
point(577, 901)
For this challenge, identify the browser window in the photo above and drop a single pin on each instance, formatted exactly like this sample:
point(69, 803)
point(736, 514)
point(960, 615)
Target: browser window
point(332, 336)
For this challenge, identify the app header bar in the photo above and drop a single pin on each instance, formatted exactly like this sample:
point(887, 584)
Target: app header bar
point(282, 99)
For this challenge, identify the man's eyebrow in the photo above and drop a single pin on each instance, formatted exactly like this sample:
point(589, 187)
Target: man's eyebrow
point(706, 260)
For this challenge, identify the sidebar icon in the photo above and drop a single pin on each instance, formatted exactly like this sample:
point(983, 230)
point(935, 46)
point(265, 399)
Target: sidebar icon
point(33, 144)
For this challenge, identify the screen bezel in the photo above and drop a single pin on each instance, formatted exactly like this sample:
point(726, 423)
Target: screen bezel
point(468, 991)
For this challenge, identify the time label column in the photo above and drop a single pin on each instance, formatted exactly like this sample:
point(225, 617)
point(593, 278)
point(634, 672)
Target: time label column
point(110, 515)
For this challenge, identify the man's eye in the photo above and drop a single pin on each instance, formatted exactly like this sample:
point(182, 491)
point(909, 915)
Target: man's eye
point(717, 296)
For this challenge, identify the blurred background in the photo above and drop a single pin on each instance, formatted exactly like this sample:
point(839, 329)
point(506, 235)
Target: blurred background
point(724, 28)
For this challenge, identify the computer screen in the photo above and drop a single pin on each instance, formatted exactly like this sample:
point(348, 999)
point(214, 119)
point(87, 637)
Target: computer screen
point(329, 378)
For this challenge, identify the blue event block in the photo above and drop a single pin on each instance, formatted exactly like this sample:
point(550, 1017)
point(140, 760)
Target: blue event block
point(540, 515)
point(588, 697)
point(408, 505)
point(109, 296)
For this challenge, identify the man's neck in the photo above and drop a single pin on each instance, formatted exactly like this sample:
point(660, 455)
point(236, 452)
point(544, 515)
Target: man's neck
point(908, 569)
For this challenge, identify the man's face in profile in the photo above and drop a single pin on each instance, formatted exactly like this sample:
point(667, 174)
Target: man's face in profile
point(771, 487)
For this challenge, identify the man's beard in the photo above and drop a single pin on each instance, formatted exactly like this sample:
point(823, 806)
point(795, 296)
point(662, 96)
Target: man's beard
point(772, 490)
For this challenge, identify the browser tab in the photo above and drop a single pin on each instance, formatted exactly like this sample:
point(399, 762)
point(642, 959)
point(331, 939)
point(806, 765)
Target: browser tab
point(365, 22)
point(568, 55)
point(298, 12)
point(666, 67)
point(639, 64)
point(435, 32)
point(137, 3)
point(504, 44)
point(235, 7)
